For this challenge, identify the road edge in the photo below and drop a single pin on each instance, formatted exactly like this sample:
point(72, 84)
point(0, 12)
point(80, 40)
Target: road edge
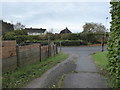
point(51, 77)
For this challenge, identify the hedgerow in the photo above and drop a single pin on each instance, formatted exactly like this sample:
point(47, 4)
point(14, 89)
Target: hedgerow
point(114, 45)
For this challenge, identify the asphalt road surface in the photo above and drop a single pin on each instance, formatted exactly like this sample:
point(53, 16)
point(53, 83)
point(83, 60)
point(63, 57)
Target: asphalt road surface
point(87, 74)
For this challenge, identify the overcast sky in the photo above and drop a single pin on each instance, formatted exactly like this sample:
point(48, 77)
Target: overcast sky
point(56, 15)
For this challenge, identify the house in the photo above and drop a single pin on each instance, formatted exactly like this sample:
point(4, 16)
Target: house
point(35, 31)
point(5, 27)
point(66, 30)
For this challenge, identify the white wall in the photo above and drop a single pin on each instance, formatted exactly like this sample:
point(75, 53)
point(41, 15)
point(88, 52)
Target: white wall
point(36, 33)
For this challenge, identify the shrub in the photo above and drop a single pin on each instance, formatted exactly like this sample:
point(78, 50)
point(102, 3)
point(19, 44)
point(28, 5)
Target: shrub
point(71, 43)
point(20, 32)
point(33, 38)
point(9, 36)
point(20, 38)
point(93, 38)
point(114, 45)
point(65, 36)
point(73, 36)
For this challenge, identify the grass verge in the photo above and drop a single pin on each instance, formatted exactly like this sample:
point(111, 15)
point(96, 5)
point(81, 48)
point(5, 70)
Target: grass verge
point(23, 75)
point(101, 60)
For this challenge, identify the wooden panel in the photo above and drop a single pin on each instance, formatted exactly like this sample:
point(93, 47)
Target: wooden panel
point(8, 49)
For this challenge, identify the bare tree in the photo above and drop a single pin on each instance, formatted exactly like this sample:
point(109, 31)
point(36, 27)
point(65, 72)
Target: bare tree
point(94, 28)
point(18, 26)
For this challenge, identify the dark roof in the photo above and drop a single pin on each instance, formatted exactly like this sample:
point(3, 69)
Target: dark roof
point(39, 30)
point(66, 30)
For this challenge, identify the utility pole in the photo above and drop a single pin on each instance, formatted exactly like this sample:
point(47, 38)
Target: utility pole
point(103, 43)
point(106, 26)
point(104, 36)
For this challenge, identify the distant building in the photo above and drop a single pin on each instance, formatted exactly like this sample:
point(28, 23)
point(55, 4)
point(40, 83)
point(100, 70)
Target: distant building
point(66, 30)
point(35, 31)
point(5, 27)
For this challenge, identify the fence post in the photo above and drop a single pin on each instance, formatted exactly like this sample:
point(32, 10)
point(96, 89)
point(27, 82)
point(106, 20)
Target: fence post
point(17, 54)
point(40, 51)
point(52, 52)
point(56, 49)
point(49, 50)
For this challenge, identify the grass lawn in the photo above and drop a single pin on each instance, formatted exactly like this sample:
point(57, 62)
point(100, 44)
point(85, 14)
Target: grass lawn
point(23, 75)
point(101, 59)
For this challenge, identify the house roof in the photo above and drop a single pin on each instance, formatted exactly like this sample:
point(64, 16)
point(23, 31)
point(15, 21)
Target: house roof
point(66, 30)
point(36, 30)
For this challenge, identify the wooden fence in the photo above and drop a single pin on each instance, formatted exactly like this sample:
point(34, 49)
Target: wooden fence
point(17, 56)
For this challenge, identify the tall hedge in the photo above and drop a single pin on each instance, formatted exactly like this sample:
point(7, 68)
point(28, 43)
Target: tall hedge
point(114, 45)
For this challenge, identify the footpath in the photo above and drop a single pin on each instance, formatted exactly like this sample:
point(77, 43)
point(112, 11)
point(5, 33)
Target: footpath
point(86, 73)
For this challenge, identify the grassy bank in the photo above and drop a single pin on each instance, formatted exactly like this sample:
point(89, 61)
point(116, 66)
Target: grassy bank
point(22, 76)
point(101, 59)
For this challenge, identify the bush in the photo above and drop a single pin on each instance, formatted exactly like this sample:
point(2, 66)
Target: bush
point(64, 36)
point(71, 43)
point(73, 36)
point(114, 45)
point(20, 32)
point(91, 37)
point(9, 36)
point(33, 38)
point(21, 38)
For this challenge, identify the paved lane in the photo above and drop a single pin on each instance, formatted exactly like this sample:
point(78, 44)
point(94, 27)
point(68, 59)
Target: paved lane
point(87, 74)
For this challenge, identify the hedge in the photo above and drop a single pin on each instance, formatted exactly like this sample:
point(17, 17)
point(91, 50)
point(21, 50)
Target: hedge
point(72, 43)
point(114, 45)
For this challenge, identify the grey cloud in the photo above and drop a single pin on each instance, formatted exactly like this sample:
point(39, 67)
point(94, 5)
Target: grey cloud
point(42, 13)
